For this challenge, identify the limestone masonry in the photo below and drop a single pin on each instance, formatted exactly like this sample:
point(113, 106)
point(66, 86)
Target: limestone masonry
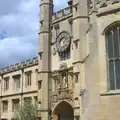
point(76, 75)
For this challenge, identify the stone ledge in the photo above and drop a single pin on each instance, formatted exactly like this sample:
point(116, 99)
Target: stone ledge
point(110, 93)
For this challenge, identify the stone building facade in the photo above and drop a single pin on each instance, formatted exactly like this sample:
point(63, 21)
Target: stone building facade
point(17, 83)
point(76, 74)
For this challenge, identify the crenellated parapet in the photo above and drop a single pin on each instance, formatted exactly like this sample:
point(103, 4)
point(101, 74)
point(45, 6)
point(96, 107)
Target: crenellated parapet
point(94, 5)
point(20, 65)
point(97, 4)
point(62, 13)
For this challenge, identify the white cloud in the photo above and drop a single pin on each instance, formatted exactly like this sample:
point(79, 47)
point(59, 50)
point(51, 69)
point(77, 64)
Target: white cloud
point(20, 21)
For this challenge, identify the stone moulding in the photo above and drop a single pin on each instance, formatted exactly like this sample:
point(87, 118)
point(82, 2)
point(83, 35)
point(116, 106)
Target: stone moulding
point(17, 66)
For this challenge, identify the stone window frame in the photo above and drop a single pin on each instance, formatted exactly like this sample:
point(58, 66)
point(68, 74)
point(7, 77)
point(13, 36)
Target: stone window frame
point(76, 44)
point(57, 29)
point(18, 81)
point(28, 99)
point(36, 73)
point(70, 27)
point(76, 75)
point(28, 78)
point(65, 55)
point(40, 84)
point(6, 83)
point(5, 108)
point(110, 29)
point(15, 104)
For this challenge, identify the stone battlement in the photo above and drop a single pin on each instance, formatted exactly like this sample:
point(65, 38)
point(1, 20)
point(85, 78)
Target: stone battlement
point(93, 4)
point(62, 13)
point(20, 65)
point(96, 4)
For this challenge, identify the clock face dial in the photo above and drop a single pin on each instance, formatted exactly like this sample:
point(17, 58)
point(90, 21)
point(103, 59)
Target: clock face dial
point(63, 41)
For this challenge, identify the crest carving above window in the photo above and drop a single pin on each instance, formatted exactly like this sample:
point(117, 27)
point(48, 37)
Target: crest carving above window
point(63, 66)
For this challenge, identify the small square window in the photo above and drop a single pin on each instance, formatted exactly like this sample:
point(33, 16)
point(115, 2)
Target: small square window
point(40, 54)
point(57, 29)
point(76, 44)
point(76, 8)
point(71, 28)
point(39, 84)
point(41, 24)
point(76, 77)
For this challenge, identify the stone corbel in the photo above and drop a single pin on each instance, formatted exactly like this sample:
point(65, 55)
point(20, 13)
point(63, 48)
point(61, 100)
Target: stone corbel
point(63, 66)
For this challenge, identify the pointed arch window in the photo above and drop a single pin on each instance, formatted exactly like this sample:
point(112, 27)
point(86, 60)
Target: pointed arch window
point(113, 51)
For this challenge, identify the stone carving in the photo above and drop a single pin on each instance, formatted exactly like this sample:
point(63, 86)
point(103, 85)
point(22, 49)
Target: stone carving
point(77, 101)
point(65, 84)
point(63, 66)
point(58, 84)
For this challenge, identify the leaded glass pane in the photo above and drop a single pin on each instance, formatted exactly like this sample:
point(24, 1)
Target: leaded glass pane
point(110, 45)
point(117, 66)
point(116, 43)
point(111, 75)
point(65, 55)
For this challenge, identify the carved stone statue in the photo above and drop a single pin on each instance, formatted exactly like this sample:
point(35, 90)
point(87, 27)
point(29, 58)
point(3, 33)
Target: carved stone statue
point(65, 81)
point(58, 84)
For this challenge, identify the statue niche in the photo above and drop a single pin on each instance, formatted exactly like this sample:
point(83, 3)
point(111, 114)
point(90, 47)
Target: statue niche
point(64, 80)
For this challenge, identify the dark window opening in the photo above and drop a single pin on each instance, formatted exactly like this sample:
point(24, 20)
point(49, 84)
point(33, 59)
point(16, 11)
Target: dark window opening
point(113, 50)
point(65, 54)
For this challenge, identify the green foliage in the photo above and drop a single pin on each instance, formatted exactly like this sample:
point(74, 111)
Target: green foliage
point(28, 111)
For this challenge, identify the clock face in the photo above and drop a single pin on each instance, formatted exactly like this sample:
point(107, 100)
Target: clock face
point(63, 41)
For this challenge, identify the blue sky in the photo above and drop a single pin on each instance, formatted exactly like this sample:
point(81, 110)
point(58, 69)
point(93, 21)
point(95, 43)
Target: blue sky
point(19, 25)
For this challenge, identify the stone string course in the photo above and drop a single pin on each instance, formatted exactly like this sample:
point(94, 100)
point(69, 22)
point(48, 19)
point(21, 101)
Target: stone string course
point(17, 66)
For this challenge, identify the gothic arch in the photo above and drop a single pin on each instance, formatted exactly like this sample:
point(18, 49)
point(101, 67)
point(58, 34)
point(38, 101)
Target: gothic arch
point(112, 36)
point(58, 103)
point(63, 110)
point(116, 23)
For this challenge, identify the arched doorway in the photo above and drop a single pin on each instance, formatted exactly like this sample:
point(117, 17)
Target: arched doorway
point(63, 111)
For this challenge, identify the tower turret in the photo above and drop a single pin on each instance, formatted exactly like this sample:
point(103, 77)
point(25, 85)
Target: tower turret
point(80, 26)
point(46, 9)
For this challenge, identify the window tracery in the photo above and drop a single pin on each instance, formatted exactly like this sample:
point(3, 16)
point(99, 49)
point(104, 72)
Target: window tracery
point(113, 56)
